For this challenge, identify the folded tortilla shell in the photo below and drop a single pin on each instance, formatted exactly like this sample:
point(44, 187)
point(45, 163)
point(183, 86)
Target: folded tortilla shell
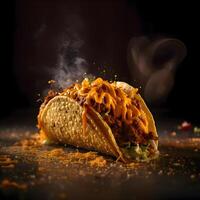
point(61, 121)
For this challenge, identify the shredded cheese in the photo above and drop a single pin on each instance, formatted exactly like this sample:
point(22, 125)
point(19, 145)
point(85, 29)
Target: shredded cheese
point(106, 97)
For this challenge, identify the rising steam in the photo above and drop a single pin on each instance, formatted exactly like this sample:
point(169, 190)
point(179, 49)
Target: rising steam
point(66, 75)
point(71, 66)
point(153, 63)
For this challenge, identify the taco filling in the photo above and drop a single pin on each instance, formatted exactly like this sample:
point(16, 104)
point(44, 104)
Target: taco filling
point(121, 110)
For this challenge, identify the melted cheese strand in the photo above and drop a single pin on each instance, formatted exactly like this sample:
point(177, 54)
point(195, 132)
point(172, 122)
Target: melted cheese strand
point(105, 97)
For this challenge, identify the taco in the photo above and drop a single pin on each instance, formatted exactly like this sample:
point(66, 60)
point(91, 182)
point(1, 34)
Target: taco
point(108, 117)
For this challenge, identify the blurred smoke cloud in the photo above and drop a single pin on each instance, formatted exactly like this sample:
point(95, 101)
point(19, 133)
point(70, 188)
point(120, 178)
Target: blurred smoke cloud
point(71, 66)
point(153, 63)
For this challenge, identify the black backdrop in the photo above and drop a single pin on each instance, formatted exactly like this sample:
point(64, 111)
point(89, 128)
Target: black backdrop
point(108, 26)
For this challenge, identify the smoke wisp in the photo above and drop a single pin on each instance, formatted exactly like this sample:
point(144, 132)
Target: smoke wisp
point(153, 63)
point(71, 66)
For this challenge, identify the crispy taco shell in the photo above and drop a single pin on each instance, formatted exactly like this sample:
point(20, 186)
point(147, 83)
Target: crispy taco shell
point(129, 90)
point(61, 120)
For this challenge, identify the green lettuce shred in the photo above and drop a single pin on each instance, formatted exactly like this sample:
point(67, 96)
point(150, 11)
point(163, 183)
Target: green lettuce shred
point(137, 152)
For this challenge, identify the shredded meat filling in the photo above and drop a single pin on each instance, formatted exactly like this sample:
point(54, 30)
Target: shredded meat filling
point(122, 113)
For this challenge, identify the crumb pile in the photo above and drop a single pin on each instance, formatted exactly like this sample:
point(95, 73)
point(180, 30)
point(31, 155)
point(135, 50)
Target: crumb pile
point(6, 183)
point(90, 158)
point(7, 162)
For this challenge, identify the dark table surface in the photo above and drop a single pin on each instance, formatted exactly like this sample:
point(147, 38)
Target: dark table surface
point(174, 175)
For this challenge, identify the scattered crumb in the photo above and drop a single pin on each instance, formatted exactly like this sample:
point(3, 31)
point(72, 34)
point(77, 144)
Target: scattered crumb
point(195, 140)
point(7, 162)
point(8, 166)
point(51, 81)
point(90, 158)
point(160, 172)
point(149, 172)
point(170, 172)
point(173, 133)
point(132, 165)
point(185, 126)
point(41, 169)
point(62, 195)
point(176, 164)
point(196, 130)
point(3, 157)
point(82, 173)
point(34, 141)
point(56, 152)
point(12, 184)
point(193, 143)
point(192, 176)
point(98, 162)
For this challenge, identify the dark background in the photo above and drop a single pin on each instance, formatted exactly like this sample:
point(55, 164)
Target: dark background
point(33, 29)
